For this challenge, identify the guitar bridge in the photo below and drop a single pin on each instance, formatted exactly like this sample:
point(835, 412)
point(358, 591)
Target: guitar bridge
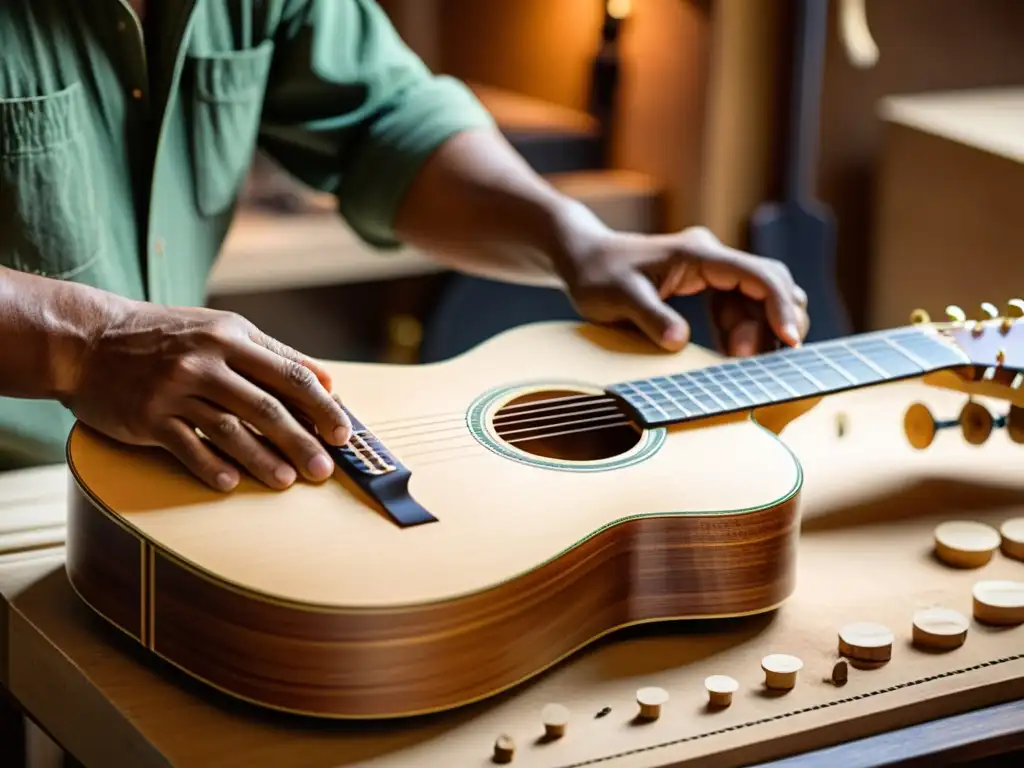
point(371, 466)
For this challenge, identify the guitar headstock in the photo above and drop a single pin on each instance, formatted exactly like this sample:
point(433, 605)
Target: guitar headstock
point(993, 343)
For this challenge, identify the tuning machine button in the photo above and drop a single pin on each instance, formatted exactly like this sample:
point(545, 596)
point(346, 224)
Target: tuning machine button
point(1014, 311)
point(919, 317)
point(921, 427)
point(956, 314)
point(976, 423)
point(1015, 424)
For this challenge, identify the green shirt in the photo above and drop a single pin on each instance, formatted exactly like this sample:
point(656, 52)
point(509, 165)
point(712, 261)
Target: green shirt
point(122, 153)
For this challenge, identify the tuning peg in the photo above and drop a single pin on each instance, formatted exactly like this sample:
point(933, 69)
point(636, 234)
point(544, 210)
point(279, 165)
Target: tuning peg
point(919, 316)
point(976, 423)
point(1014, 310)
point(956, 314)
point(1015, 424)
point(920, 426)
point(990, 309)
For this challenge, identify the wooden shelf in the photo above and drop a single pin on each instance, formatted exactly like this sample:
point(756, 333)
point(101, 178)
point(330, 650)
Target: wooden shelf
point(947, 221)
point(266, 252)
point(989, 119)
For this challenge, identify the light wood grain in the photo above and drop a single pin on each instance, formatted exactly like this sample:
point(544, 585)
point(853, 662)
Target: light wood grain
point(538, 560)
point(871, 503)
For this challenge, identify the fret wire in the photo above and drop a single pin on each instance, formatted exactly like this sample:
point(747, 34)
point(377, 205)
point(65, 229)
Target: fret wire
point(837, 367)
point(649, 400)
point(725, 387)
point(908, 354)
point(866, 362)
point(674, 383)
point(729, 379)
point(771, 397)
point(784, 384)
point(802, 372)
point(704, 389)
point(669, 397)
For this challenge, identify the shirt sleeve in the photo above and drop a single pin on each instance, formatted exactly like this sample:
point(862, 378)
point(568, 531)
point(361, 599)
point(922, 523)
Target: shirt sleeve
point(350, 109)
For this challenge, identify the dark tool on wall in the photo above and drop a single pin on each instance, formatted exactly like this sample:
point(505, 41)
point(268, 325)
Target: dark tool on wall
point(799, 230)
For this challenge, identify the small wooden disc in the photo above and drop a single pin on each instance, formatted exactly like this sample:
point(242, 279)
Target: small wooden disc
point(720, 689)
point(975, 423)
point(919, 426)
point(504, 749)
point(965, 543)
point(650, 700)
point(1015, 424)
point(556, 718)
point(840, 672)
point(940, 629)
point(866, 641)
point(999, 602)
point(1012, 533)
point(780, 670)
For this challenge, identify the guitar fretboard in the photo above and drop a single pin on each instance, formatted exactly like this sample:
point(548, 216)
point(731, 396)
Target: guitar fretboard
point(791, 374)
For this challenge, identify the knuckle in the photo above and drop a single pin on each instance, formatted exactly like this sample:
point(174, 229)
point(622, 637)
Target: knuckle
point(185, 369)
point(299, 375)
point(226, 425)
point(268, 409)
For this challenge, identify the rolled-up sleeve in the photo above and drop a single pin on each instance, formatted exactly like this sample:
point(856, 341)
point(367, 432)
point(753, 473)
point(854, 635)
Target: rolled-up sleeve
point(350, 109)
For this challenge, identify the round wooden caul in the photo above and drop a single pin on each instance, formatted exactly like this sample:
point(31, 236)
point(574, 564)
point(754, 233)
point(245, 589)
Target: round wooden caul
point(556, 718)
point(780, 670)
point(940, 629)
point(919, 426)
point(866, 641)
point(999, 602)
point(976, 423)
point(965, 544)
point(1012, 533)
point(504, 749)
point(720, 689)
point(650, 700)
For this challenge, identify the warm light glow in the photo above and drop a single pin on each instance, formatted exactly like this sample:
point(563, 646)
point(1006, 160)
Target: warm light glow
point(619, 9)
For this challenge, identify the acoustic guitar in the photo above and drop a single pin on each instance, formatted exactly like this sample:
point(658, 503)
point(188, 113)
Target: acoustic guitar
point(491, 515)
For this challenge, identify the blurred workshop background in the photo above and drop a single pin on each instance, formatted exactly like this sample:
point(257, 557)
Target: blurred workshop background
point(906, 115)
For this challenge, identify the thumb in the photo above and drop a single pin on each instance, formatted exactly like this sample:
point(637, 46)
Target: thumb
point(662, 324)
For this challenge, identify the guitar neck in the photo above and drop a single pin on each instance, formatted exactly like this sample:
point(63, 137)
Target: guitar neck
point(821, 368)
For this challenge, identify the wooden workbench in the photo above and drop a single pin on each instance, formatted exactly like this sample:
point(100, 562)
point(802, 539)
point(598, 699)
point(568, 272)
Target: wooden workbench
point(870, 504)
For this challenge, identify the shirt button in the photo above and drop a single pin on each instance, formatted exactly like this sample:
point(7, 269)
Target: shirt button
point(120, 26)
point(158, 246)
point(137, 94)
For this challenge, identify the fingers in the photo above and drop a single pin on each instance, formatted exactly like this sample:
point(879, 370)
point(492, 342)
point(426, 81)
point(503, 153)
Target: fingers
point(283, 350)
point(228, 433)
point(644, 306)
point(186, 446)
point(296, 383)
point(760, 279)
point(241, 397)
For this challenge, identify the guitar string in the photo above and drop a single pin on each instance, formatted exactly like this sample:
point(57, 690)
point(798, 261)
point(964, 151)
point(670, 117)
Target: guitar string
point(818, 363)
point(759, 389)
point(400, 434)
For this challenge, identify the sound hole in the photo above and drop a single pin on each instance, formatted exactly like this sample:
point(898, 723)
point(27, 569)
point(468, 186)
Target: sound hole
point(567, 425)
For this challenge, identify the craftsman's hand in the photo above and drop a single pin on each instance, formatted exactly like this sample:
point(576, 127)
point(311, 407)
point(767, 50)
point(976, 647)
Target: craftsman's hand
point(156, 374)
point(618, 277)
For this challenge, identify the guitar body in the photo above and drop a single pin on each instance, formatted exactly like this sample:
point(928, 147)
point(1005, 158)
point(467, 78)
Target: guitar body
point(313, 601)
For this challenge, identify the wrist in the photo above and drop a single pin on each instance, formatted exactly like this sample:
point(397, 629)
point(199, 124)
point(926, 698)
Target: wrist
point(576, 233)
point(76, 320)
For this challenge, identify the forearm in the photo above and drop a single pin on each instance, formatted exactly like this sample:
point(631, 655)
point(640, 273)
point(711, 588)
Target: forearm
point(477, 207)
point(45, 328)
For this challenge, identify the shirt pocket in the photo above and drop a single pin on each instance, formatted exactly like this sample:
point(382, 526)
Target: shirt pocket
point(49, 222)
point(227, 103)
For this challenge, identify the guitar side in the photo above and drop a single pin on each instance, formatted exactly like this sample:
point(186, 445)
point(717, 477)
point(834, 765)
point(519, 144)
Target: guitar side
point(622, 564)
